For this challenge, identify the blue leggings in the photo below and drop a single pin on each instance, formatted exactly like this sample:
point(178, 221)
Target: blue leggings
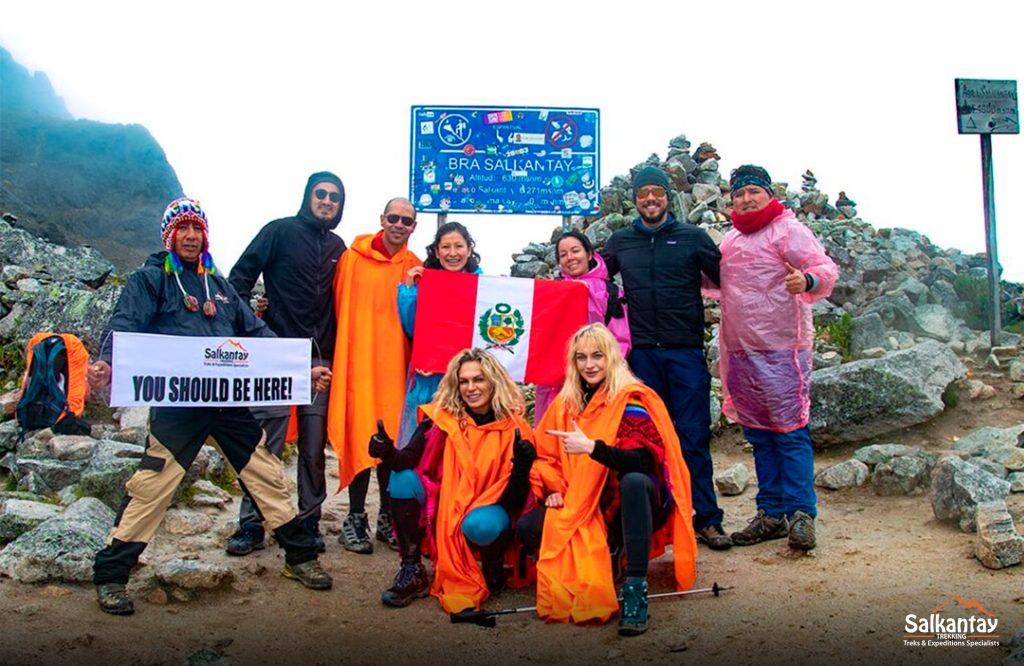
point(482, 526)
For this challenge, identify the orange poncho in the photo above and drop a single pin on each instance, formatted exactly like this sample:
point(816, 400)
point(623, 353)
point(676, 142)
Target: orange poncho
point(371, 354)
point(574, 571)
point(475, 468)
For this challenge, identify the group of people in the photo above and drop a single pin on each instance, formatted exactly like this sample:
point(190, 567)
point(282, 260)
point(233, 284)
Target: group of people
point(618, 463)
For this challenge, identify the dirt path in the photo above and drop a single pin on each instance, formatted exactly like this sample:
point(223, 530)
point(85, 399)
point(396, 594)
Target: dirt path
point(878, 560)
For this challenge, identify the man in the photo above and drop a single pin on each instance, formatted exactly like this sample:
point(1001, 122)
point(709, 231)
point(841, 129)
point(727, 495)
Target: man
point(371, 358)
point(297, 257)
point(772, 269)
point(661, 261)
point(161, 297)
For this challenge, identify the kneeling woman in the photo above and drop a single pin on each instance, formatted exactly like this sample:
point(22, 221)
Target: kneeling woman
point(609, 471)
point(465, 475)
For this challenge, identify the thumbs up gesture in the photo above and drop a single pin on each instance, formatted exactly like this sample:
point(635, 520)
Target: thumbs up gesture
point(523, 452)
point(381, 444)
point(796, 283)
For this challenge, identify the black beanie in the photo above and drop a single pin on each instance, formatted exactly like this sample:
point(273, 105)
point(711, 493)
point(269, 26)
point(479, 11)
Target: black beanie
point(651, 175)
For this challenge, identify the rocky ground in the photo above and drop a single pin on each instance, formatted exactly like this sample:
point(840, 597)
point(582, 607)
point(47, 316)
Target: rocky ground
point(880, 558)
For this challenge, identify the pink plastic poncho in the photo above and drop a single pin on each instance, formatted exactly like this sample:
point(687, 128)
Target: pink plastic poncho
point(596, 280)
point(766, 336)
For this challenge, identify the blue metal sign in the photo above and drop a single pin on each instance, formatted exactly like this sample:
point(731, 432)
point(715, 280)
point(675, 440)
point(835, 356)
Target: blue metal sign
point(474, 159)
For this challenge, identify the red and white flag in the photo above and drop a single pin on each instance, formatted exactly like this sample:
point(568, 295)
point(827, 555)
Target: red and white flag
point(526, 324)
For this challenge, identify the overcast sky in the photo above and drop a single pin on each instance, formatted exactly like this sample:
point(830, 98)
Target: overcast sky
point(247, 102)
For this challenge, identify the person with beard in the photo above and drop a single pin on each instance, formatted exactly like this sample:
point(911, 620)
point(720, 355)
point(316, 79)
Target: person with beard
point(773, 269)
point(661, 261)
point(297, 257)
point(178, 292)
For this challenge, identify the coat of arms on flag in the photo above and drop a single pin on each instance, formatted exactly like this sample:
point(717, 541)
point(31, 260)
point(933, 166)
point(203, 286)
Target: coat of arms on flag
point(526, 324)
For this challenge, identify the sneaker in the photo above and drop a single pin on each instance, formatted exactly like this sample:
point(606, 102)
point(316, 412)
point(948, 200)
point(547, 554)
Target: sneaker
point(761, 527)
point(247, 539)
point(714, 538)
point(113, 599)
point(633, 620)
point(410, 583)
point(355, 534)
point(310, 574)
point(385, 532)
point(494, 574)
point(801, 532)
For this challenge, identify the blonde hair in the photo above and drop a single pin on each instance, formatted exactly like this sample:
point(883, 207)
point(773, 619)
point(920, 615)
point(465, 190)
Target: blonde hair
point(506, 399)
point(618, 377)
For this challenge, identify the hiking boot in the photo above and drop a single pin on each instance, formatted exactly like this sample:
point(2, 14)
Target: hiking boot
point(113, 599)
point(410, 583)
point(633, 620)
point(494, 574)
point(355, 534)
point(714, 538)
point(245, 540)
point(385, 532)
point(761, 527)
point(310, 574)
point(801, 532)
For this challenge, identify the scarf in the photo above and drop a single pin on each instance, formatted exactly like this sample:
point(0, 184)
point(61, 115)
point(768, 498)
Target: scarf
point(748, 223)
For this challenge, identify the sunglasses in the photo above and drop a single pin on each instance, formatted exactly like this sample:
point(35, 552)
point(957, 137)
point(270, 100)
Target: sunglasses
point(645, 192)
point(404, 219)
point(320, 194)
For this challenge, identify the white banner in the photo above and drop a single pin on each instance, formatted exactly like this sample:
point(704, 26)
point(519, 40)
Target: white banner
point(178, 371)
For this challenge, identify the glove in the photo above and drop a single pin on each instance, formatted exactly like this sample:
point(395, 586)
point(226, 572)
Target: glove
point(523, 453)
point(381, 444)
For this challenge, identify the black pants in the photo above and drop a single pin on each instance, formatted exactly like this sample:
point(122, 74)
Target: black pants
point(640, 512)
point(176, 435)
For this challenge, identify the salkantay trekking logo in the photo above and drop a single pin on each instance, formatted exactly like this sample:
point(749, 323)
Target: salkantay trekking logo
point(236, 358)
point(501, 327)
point(955, 623)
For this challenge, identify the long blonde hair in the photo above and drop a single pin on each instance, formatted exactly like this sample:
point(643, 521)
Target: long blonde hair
point(506, 400)
point(618, 377)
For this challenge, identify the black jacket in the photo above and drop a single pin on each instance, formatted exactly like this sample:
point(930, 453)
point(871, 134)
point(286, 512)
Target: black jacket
point(661, 276)
point(297, 257)
point(151, 302)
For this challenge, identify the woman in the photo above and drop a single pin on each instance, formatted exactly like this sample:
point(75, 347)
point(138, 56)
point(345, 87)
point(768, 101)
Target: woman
point(605, 303)
point(609, 463)
point(453, 250)
point(464, 475)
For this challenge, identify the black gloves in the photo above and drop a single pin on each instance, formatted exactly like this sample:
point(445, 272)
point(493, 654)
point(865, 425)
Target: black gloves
point(381, 444)
point(523, 453)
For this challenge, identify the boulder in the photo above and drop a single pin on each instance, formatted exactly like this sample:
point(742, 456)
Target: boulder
point(847, 474)
point(8, 436)
point(72, 447)
point(997, 544)
point(882, 453)
point(193, 574)
point(992, 467)
point(865, 398)
point(55, 474)
point(1016, 481)
point(19, 516)
point(82, 263)
point(867, 331)
point(182, 522)
point(984, 442)
point(105, 477)
point(733, 480)
point(957, 489)
point(935, 321)
point(84, 312)
point(902, 475)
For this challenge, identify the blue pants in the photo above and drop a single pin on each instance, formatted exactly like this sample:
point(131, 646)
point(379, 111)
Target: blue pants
point(785, 471)
point(482, 526)
point(681, 378)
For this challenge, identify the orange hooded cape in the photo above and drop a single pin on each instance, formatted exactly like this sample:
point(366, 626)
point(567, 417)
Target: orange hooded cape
point(574, 570)
point(371, 353)
point(475, 468)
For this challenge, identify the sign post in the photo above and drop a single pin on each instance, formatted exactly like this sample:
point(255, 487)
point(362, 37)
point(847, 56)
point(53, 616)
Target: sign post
point(988, 107)
point(522, 160)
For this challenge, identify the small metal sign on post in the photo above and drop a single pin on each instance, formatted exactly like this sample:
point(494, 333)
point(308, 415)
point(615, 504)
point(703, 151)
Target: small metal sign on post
point(511, 159)
point(988, 107)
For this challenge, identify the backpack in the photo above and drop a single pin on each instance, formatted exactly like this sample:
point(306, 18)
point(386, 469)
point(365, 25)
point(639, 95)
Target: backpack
point(54, 386)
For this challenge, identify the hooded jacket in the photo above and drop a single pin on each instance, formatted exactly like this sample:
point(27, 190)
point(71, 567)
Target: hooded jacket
point(297, 257)
point(152, 303)
point(661, 274)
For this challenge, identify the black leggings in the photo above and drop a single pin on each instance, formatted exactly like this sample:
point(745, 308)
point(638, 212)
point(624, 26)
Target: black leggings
point(640, 510)
point(361, 485)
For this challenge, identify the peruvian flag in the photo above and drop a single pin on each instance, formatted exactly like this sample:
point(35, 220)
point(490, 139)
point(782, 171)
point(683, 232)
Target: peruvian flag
point(525, 324)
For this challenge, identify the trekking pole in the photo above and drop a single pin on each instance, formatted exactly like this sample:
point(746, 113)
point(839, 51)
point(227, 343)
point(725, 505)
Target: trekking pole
point(485, 618)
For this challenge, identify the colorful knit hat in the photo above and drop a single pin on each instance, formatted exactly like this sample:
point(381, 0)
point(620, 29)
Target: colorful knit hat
point(750, 174)
point(178, 212)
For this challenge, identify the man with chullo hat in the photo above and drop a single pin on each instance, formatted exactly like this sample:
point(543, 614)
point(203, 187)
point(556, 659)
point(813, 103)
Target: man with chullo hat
point(662, 261)
point(179, 292)
point(772, 269)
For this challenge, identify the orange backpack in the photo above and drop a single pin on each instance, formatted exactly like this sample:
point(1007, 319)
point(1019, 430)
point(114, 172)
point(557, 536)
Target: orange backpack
point(54, 387)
